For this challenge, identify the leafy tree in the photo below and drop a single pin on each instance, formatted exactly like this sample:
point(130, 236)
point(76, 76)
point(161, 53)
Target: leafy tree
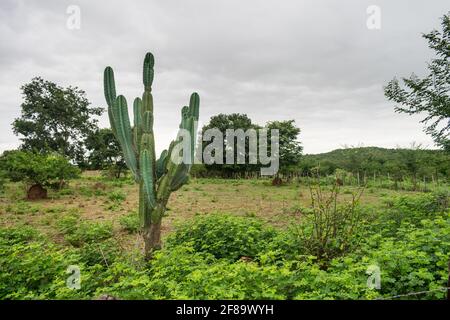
point(105, 152)
point(230, 121)
point(431, 94)
point(34, 169)
point(290, 147)
point(56, 119)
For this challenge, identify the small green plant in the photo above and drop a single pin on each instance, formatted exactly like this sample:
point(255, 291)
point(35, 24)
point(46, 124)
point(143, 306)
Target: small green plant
point(117, 196)
point(130, 222)
point(89, 232)
point(22, 207)
point(78, 233)
point(102, 253)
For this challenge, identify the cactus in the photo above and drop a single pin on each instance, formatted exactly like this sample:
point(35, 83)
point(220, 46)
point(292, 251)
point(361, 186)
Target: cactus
point(157, 178)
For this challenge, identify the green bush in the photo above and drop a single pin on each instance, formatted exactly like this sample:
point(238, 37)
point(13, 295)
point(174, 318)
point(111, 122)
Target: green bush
point(103, 253)
point(89, 232)
point(411, 209)
point(117, 196)
point(78, 233)
point(28, 264)
point(45, 169)
point(130, 222)
point(224, 235)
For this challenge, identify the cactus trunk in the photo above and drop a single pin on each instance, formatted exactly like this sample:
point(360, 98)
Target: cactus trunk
point(156, 178)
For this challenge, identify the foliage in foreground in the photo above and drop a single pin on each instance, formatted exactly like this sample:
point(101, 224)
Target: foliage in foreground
point(412, 254)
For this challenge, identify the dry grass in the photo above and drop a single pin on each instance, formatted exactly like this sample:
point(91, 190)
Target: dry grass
point(97, 199)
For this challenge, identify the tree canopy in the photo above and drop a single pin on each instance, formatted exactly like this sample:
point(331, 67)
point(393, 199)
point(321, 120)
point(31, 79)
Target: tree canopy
point(56, 119)
point(290, 147)
point(104, 151)
point(431, 94)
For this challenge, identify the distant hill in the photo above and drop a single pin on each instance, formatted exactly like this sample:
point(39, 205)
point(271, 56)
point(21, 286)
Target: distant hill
point(369, 160)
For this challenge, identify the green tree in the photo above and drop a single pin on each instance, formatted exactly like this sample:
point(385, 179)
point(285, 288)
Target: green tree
point(290, 148)
point(429, 95)
point(104, 152)
point(231, 121)
point(54, 118)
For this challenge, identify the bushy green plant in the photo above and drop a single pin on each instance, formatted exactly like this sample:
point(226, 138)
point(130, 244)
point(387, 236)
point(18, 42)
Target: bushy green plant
point(130, 222)
point(411, 209)
point(48, 170)
point(224, 235)
point(28, 264)
point(330, 228)
point(78, 233)
point(117, 196)
point(103, 252)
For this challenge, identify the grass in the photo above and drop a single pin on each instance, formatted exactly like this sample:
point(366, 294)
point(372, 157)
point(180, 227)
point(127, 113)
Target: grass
point(95, 199)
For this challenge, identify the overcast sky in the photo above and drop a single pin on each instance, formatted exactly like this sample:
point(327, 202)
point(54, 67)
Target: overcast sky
point(312, 61)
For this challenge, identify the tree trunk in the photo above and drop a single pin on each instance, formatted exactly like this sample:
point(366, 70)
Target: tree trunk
point(151, 222)
point(152, 238)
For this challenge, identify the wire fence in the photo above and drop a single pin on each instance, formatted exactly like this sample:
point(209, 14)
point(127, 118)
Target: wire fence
point(409, 294)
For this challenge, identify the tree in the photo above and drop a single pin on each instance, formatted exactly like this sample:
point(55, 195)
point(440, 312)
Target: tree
point(231, 121)
point(290, 148)
point(37, 171)
point(56, 119)
point(105, 152)
point(431, 94)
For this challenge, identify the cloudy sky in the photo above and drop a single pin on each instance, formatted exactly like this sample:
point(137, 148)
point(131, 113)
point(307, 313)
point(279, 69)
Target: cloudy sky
point(313, 61)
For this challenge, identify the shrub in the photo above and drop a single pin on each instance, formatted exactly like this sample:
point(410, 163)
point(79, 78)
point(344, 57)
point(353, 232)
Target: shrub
point(28, 264)
point(103, 253)
point(411, 209)
point(89, 232)
point(17, 235)
point(48, 170)
point(224, 236)
point(117, 196)
point(130, 222)
point(78, 233)
point(330, 229)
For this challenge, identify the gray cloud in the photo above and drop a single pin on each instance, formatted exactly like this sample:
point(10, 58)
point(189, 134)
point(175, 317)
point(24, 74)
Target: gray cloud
point(312, 61)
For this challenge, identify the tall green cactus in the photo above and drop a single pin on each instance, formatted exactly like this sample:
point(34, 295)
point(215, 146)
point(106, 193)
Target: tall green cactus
point(157, 178)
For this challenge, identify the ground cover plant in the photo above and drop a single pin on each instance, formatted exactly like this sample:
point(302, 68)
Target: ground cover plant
point(254, 248)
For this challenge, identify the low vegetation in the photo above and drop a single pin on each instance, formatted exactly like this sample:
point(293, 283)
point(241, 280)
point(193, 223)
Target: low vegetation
point(217, 251)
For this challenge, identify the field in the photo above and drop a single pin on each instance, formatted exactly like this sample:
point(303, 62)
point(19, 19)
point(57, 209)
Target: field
point(225, 239)
point(98, 199)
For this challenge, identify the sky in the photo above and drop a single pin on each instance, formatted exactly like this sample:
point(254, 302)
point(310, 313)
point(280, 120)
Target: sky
point(314, 61)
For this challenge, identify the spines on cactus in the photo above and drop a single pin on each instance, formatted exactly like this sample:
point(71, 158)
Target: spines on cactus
point(156, 178)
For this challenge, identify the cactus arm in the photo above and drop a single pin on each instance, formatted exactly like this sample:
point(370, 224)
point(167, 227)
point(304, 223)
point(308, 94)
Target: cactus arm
point(161, 164)
point(137, 129)
point(110, 93)
point(148, 73)
point(124, 134)
point(147, 176)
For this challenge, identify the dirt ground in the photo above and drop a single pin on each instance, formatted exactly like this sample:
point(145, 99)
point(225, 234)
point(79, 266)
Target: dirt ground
point(98, 199)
